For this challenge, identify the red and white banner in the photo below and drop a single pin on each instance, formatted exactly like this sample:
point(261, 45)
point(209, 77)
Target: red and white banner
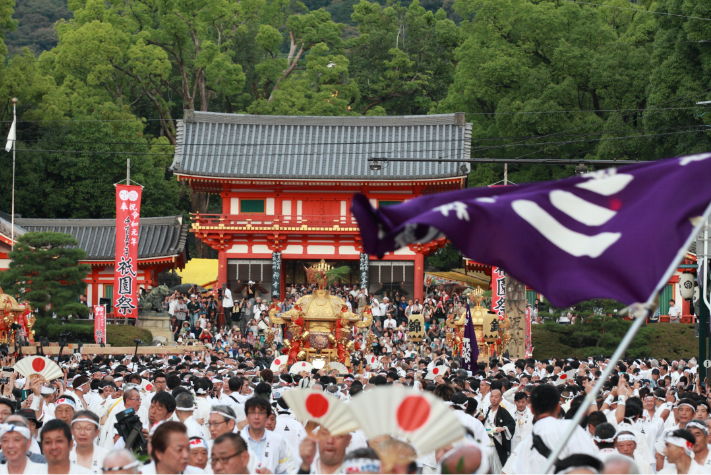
point(100, 324)
point(498, 291)
point(128, 209)
point(528, 349)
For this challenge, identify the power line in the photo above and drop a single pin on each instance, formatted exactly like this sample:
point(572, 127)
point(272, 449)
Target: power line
point(652, 112)
point(638, 10)
point(575, 112)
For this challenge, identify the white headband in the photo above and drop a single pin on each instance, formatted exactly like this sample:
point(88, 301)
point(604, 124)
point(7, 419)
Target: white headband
point(686, 404)
point(84, 419)
point(701, 427)
point(23, 431)
point(605, 441)
point(361, 466)
point(680, 442)
point(625, 437)
point(224, 414)
point(125, 467)
point(65, 401)
point(198, 443)
point(185, 409)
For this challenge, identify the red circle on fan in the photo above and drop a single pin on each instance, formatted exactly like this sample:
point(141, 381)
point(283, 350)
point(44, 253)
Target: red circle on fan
point(38, 364)
point(413, 413)
point(317, 405)
point(563, 376)
point(303, 365)
point(435, 371)
point(149, 387)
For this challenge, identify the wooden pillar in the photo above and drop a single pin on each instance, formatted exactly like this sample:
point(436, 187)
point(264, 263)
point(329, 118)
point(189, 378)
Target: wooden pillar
point(95, 286)
point(221, 267)
point(515, 305)
point(419, 276)
point(282, 284)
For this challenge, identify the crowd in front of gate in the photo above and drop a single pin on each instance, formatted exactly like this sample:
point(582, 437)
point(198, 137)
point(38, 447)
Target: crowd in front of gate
point(209, 412)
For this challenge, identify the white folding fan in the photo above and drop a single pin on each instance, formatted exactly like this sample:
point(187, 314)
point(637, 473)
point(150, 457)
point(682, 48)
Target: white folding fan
point(338, 366)
point(322, 408)
point(437, 371)
point(419, 417)
point(278, 363)
point(146, 385)
point(564, 377)
point(38, 366)
point(301, 366)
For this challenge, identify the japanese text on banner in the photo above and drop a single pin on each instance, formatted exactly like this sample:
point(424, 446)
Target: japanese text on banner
point(128, 209)
point(498, 291)
point(100, 324)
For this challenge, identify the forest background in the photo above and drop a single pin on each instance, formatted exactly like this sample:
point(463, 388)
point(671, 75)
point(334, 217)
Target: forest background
point(100, 81)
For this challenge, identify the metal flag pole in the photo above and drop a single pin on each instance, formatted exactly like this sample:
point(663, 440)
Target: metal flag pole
point(14, 142)
point(592, 395)
point(625, 343)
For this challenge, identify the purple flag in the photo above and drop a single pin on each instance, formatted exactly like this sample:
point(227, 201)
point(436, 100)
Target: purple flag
point(470, 347)
point(614, 233)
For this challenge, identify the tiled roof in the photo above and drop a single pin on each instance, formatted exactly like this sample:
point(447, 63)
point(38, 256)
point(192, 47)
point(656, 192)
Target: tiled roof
point(253, 146)
point(158, 237)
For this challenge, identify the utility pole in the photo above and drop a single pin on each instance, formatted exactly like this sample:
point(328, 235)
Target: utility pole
point(128, 171)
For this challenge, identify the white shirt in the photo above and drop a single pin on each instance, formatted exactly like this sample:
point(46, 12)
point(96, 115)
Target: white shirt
point(291, 429)
point(474, 425)
point(97, 458)
point(227, 298)
point(524, 426)
point(671, 468)
point(195, 429)
point(272, 452)
point(30, 468)
point(550, 430)
point(674, 311)
point(389, 323)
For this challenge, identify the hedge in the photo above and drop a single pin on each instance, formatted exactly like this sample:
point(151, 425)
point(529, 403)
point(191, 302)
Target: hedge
point(595, 338)
point(116, 335)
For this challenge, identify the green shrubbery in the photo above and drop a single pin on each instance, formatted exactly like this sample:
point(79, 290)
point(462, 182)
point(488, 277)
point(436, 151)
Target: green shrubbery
point(116, 335)
point(601, 335)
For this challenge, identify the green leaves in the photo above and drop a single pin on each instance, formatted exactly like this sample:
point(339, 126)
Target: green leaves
point(45, 271)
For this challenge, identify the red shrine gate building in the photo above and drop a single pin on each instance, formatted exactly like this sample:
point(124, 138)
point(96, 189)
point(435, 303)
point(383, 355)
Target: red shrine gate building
point(287, 183)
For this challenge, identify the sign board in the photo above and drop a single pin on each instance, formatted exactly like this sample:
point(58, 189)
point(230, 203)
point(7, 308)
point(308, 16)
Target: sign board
point(707, 364)
point(416, 327)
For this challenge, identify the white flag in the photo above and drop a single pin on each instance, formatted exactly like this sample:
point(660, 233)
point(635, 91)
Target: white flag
point(11, 137)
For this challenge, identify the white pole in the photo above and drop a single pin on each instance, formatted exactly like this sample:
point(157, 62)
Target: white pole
point(592, 395)
point(506, 174)
point(12, 211)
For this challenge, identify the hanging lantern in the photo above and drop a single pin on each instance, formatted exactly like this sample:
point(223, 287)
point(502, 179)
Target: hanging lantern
point(686, 285)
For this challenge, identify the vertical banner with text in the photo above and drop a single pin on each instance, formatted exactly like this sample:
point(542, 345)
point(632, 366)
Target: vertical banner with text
point(100, 324)
point(528, 350)
point(498, 291)
point(128, 209)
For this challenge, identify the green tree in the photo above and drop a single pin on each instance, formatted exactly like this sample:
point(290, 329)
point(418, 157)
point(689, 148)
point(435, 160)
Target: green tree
point(445, 259)
point(403, 59)
point(69, 172)
point(572, 61)
point(45, 271)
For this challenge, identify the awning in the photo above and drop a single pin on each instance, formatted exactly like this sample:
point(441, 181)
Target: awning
point(472, 280)
point(202, 272)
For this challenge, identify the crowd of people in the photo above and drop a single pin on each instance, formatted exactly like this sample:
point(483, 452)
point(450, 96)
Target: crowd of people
point(202, 412)
point(238, 324)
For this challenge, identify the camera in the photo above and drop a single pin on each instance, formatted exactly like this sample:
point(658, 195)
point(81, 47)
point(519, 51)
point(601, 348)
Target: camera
point(129, 426)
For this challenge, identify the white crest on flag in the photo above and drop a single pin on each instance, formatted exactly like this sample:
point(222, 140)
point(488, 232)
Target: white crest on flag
point(457, 206)
point(693, 158)
point(407, 235)
point(605, 183)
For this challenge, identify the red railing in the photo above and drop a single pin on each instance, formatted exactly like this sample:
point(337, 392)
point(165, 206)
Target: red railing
point(283, 222)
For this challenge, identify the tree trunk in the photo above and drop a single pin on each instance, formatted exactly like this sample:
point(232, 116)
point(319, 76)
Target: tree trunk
point(198, 204)
point(516, 310)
